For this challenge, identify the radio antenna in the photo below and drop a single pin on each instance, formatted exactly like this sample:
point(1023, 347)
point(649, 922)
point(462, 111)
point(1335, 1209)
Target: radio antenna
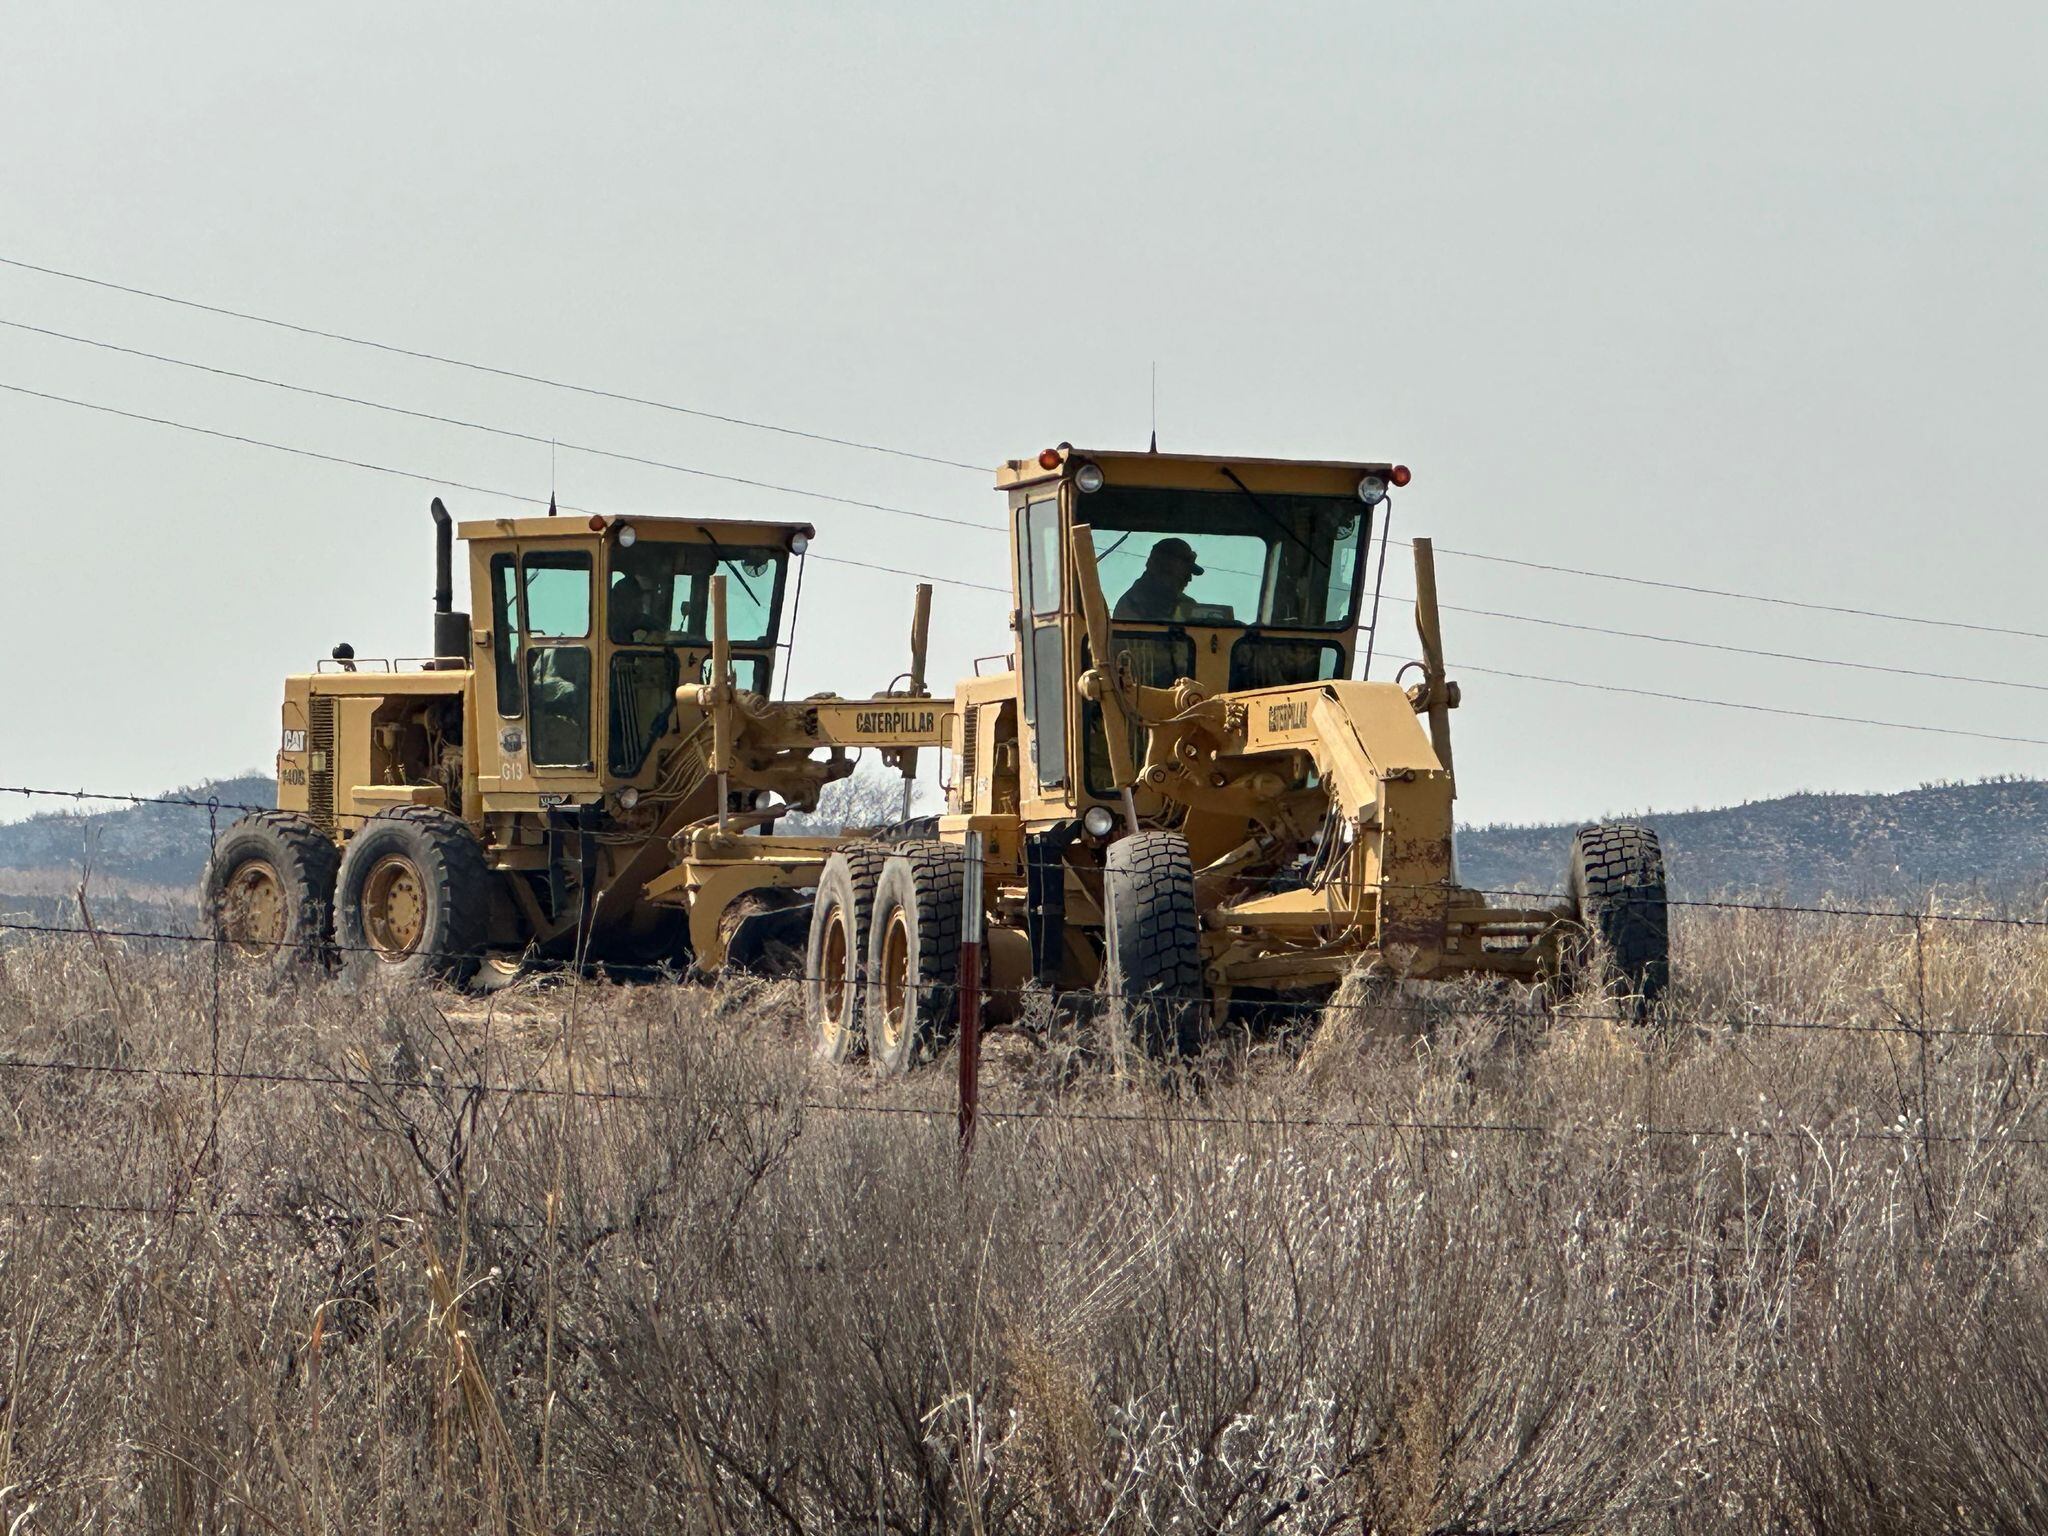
point(1155, 406)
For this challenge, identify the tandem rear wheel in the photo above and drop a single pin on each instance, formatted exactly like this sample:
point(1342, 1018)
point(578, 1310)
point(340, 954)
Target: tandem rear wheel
point(268, 891)
point(911, 1002)
point(413, 897)
point(835, 953)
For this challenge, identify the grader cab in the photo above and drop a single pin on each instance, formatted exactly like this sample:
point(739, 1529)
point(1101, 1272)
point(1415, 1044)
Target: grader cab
point(1183, 796)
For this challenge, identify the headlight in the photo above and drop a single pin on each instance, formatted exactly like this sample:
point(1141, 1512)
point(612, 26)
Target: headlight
point(1089, 478)
point(628, 798)
point(627, 537)
point(1100, 821)
point(1372, 490)
point(798, 543)
point(764, 799)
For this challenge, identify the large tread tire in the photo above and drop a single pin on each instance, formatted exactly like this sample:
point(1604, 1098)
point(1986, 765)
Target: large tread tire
point(913, 1005)
point(1618, 891)
point(450, 893)
point(268, 890)
point(1152, 941)
point(836, 952)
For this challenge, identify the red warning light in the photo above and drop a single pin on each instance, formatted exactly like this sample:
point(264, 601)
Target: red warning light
point(1050, 459)
point(597, 522)
point(1399, 474)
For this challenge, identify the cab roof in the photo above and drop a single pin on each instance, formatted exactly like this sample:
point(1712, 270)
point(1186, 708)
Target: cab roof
point(583, 525)
point(1194, 471)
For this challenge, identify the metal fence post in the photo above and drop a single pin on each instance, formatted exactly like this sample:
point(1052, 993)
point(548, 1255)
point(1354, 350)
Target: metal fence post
point(970, 996)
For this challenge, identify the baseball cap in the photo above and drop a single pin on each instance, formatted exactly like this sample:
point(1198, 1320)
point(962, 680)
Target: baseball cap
point(1178, 549)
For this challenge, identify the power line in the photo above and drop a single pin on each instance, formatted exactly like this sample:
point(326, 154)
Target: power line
point(1742, 704)
point(623, 397)
point(956, 581)
point(1747, 597)
point(1736, 650)
point(402, 474)
point(475, 367)
point(495, 431)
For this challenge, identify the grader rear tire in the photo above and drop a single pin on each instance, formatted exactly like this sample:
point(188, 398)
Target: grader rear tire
point(1617, 887)
point(414, 896)
point(836, 954)
point(1152, 941)
point(913, 967)
point(268, 891)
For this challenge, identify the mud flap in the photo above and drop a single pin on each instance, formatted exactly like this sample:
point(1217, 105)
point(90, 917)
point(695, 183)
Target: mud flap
point(1045, 899)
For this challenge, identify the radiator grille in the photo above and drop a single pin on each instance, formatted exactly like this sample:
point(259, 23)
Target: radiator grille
point(320, 759)
point(967, 757)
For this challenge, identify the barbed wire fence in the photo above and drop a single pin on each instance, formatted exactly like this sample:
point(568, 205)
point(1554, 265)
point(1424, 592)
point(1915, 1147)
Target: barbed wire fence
point(217, 1077)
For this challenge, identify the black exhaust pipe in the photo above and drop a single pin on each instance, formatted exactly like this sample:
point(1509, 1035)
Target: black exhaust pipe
point(451, 629)
point(444, 557)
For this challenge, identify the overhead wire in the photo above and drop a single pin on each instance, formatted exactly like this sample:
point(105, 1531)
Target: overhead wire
point(1740, 704)
point(1735, 650)
point(628, 398)
point(406, 474)
point(498, 431)
point(444, 481)
point(447, 360)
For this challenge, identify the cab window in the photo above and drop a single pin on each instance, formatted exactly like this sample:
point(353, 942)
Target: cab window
point(659, 592)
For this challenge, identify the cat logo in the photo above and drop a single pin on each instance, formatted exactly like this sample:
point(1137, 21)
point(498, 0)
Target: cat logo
point(1291, 716)
point(890, 722)
point(295, 741)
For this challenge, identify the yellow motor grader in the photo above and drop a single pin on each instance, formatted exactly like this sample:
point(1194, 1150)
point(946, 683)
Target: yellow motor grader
point(507, 798)
point(1181, 796)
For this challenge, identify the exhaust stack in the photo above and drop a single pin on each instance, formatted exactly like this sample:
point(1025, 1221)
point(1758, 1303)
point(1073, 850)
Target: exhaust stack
point(451, 629)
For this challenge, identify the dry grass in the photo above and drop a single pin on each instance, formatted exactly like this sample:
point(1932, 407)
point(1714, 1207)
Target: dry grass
point(1275, 1297)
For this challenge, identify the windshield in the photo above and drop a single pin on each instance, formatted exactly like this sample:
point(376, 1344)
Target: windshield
point(660, 593)
point(1228, 557)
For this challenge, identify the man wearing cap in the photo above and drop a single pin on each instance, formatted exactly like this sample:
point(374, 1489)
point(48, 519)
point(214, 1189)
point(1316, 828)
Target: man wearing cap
point(1156, 594)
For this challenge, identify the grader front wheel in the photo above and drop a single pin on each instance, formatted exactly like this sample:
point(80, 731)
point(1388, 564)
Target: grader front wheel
point(1617, 888)
point(1152, 949)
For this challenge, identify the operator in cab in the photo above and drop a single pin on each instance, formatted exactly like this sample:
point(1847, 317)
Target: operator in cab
point(1156, 596)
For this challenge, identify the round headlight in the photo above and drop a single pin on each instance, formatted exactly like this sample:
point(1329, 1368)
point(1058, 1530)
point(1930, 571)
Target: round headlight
point(798, 543)
point(1372, 490)
point(764, 799)
point(1089, 478)
point(627, 537)
point(1100, 821)
point(628, 798)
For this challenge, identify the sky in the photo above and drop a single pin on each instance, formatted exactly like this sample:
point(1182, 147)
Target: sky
point(1738, 296)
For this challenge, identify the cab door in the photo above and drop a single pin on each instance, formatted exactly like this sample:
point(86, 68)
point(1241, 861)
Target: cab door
point(1041, 642)
point(543, 681)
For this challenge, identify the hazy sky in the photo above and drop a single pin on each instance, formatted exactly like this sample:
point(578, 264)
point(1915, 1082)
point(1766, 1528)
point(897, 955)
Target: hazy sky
point(1742, 296)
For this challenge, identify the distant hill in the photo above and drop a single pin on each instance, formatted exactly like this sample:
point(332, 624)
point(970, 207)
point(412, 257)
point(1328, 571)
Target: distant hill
point(1992, 836)
point(163, 845)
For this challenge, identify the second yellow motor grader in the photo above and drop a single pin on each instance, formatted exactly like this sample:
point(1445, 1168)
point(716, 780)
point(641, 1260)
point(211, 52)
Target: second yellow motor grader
point(1182, 796)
